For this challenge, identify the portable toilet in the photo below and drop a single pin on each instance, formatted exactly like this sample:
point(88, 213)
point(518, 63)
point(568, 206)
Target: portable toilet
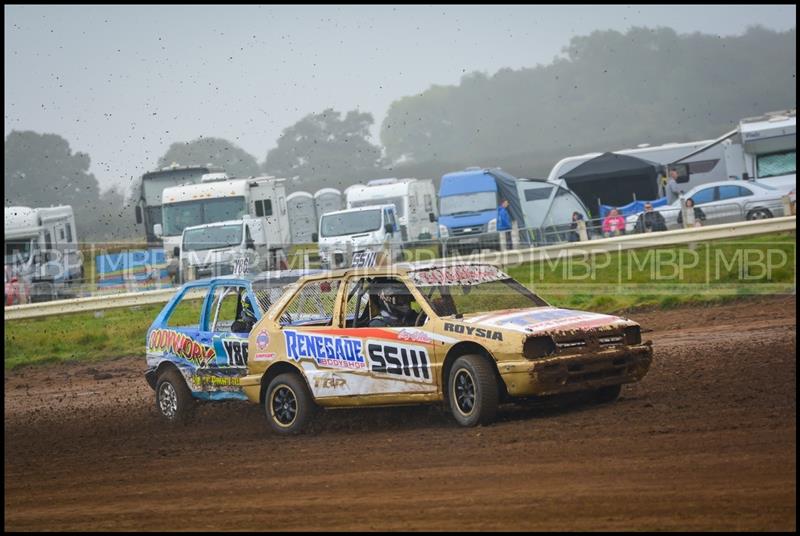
point(327, 200)
point(302, 217)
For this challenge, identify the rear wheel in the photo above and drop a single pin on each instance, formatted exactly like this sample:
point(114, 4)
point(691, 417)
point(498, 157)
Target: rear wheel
point(472, 391)
point(759, 214)
point(174, 400)
point(288, 404)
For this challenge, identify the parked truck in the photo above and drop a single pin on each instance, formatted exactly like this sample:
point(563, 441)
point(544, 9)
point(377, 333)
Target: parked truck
point(214, 249)
point(42, 260)
point(414, 201)
point(357, 232)
point(218, 199)
point(151, 187)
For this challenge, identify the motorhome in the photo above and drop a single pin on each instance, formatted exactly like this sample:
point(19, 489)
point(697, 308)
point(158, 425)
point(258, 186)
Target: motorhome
point(151, 186)
point(344, 233)
point(302, 217)
point(414, 201)
point(762, 148)
point(217, 199)
point(41, 252)
point(213, 249)
point(770, 149)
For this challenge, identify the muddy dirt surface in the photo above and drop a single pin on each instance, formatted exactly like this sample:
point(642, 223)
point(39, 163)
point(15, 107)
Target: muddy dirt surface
point(705, 442)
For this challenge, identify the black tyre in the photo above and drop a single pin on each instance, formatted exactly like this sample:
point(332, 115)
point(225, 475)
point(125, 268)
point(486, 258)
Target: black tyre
point(472, 391)
point(288, 404)
point(759, 214)
point(607, 394)
point(174, 400)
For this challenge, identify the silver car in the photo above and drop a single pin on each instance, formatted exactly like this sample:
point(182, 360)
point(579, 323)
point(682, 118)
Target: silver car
point(723, 202)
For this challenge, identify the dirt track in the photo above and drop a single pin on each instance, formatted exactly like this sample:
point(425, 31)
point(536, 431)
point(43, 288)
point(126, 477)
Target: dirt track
point(706, 441)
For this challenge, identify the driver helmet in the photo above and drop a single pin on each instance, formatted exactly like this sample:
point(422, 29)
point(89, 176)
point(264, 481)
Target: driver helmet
point(248, 315)
point(396, 299)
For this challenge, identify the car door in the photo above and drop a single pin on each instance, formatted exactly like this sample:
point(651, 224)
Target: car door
point(223, 332)
point(706, 198)
point(400, 358)
point(730, 206)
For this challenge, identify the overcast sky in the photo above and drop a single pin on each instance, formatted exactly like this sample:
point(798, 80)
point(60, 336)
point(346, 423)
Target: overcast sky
point(123, 82)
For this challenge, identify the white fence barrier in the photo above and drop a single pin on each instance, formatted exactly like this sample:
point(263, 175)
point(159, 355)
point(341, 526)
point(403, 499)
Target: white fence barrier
point(502, 258)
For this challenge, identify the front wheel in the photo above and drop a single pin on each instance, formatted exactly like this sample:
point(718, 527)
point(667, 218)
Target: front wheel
point(288, 404)
point(174, 400)
point(472, 391)
point(607, 394)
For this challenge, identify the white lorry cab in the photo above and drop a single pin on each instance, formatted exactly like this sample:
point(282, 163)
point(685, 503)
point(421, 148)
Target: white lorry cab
point(224, 248)
point(414, 201)
point(346, 233)
point(217, 200)
point(42, 260)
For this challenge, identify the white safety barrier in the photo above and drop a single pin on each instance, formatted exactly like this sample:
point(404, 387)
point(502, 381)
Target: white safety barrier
point(503, 258)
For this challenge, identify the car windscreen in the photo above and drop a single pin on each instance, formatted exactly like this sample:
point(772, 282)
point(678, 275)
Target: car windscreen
point(470, 289)
point(396, 201)
point(348, 223)
point(218, 237)
point(178, 216)
point(453, 205)
point(18, 251)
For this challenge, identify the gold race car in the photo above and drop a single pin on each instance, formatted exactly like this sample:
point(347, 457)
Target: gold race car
point(466, 335)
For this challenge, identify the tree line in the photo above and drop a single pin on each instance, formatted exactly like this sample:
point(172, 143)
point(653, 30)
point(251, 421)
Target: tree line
point(607, 90)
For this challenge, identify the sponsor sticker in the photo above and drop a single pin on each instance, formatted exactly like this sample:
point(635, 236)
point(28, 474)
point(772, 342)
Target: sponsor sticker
point(178, 344)
point(457, 275)
point(325, 350)
point(399, 360)
point(262, 340)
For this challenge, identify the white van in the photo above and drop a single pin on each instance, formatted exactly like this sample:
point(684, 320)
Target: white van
point(414, 201)
point(213, 249)
point(364, 229)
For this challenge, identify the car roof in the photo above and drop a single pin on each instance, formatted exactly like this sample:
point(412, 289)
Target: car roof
point(277, 276)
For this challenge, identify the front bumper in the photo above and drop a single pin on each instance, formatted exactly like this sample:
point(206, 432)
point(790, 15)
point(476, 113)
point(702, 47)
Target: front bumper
point(576, 372)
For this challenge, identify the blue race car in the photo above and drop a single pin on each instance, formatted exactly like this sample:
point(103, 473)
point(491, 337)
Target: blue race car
point(197, 345)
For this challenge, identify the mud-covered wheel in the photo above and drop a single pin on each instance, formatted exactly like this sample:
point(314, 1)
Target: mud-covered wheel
point(607, 394)
point(472, 391)
point(174, 400)
point(288, 404)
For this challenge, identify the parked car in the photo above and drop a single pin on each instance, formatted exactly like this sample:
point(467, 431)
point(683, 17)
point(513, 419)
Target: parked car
point(723, 202)
point(465, 335)
point(197, 346)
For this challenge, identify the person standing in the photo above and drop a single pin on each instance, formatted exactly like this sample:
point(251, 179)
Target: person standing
point(673, 188)
point(504, 222)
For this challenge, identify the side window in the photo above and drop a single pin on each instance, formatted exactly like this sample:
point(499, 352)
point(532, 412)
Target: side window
point(69, 233)
point(263, 208)
point(744, 192)
point(703, 196)
point(428, 203)
point(186, 313)
point(312, 305)
point(225, 308)
point(729, 192)
point(357, 312)
point(62, 235)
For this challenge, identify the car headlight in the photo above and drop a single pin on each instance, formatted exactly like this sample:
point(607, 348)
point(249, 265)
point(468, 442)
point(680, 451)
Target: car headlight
point(443, 232)
point(491, 227)
point(633, 335)
point(538, 346)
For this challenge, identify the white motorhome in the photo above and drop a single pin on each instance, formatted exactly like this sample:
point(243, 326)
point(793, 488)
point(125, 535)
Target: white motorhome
point(302, 217)
point(365, 229)
point(770, 149)
point(414, 201)
point(42, 251)
point(213, 249)
point(215, 201)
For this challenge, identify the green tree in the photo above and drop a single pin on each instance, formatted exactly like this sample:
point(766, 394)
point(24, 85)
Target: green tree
point(326, 149)
point(41, 170)
point(218, 152)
